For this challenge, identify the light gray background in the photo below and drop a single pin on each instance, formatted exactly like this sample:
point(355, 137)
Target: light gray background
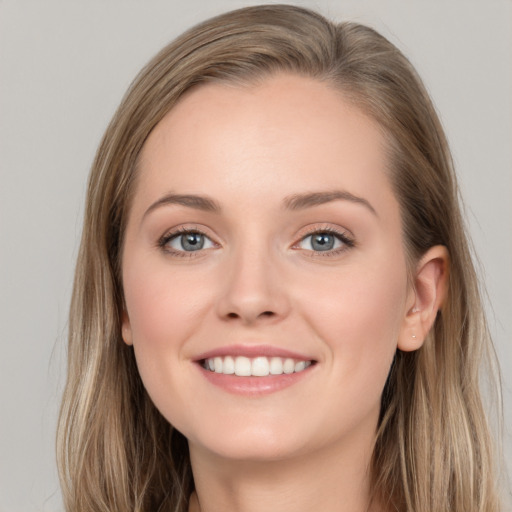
point(63, 69)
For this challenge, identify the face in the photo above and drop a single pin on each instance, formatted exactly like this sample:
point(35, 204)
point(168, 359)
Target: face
point(263, 268)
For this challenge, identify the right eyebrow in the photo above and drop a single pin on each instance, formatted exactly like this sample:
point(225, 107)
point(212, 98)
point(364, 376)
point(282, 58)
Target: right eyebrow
point(203, 203)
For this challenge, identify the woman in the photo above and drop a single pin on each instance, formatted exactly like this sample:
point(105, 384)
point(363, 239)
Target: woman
point(275, 304)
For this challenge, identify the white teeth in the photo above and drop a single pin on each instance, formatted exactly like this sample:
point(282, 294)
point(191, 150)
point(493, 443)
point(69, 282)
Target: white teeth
point(301, 365)
point(228, 366)
point(288, 366)
point(260, 367)
point(276, 366)
point(256, 367)
point(242, 366)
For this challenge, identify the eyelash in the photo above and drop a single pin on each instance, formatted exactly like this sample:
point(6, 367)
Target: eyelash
point(165, 239)
point(347, 242)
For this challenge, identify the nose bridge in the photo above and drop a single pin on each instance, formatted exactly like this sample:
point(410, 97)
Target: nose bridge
point(252, 288)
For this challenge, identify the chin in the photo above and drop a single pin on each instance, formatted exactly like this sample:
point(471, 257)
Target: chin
point(257, 443)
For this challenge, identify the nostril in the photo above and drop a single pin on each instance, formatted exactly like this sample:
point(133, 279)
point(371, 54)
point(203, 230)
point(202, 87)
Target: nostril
point(263, 314)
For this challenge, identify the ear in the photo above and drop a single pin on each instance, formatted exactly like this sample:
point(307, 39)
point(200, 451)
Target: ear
point(426, 297)
point(126, 329)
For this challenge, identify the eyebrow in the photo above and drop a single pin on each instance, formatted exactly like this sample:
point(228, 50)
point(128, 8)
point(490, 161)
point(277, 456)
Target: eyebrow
point(303, 201)
point(189, 200)
point(293, 202)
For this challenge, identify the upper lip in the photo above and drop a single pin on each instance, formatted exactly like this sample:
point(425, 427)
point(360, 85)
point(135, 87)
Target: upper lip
point(252, 351)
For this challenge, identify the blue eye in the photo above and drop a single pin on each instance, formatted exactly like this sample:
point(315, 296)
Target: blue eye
point(188, 241)
point(324, 241)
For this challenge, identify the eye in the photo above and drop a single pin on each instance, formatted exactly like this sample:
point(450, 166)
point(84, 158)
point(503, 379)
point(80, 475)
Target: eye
point(325, 241)
point(186, 241)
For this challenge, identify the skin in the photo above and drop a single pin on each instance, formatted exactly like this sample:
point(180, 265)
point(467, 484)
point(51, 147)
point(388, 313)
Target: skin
point(258, 281)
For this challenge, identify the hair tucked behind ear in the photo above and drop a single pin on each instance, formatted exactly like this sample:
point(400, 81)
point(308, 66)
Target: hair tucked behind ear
point(433, 450)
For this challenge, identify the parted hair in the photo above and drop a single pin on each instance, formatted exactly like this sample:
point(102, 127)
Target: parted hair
point(433, 450)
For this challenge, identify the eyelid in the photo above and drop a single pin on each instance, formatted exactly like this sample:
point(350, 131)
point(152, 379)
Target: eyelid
point(180, 230)
point(344, 235)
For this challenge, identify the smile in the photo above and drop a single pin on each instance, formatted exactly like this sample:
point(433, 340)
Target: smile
point(260, 366)
point(254, 369)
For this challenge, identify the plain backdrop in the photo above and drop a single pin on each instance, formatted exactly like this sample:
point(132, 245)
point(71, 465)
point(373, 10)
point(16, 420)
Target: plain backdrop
point(64, 66)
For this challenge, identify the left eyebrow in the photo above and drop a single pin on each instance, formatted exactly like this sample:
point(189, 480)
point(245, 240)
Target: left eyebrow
point(302, 201)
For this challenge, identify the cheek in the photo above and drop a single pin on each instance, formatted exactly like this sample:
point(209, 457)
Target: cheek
point(164, 306)
point(358, 312)
point(165, 309)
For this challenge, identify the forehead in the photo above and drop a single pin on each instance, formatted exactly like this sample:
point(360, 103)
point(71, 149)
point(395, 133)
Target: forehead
point(258, 140)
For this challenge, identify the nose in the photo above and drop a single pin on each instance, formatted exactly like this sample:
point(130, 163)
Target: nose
point(253, 288)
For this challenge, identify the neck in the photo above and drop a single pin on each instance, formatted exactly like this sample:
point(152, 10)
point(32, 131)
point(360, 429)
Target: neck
point(331, 480)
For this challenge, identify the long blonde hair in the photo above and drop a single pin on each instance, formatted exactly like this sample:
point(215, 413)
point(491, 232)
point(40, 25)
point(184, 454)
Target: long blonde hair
point(433, 450)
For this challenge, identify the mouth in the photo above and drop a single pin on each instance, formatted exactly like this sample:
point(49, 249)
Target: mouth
point(254, 370)
point(259, 366)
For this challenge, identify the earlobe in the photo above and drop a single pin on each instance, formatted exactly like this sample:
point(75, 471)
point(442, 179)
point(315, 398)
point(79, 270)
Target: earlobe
point(126, 330)
point(430, 285)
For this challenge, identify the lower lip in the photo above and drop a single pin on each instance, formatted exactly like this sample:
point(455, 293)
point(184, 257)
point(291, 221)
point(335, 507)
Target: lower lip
point(254, 386)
